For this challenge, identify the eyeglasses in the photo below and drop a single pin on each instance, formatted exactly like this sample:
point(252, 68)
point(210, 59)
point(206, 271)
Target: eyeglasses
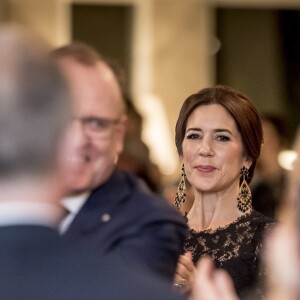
point(97, 126)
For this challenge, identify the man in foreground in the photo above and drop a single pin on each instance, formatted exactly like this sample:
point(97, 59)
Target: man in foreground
point(36, 263)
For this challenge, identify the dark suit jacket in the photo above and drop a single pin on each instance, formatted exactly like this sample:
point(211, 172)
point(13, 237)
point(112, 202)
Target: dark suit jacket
point(37, 264)
point(120, 216)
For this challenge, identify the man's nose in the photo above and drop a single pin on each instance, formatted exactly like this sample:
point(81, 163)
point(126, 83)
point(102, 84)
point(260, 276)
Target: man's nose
point(78, 134)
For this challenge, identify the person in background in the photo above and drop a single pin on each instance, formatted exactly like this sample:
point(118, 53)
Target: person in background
point(218, 138)
point(270, 178)
point(135, 156)
point(36, 263)
point(109, 209)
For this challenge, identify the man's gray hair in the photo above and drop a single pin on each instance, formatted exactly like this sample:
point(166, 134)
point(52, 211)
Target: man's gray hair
point(34, 104)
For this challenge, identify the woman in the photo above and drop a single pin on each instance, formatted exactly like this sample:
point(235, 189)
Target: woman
point(283, 268)
point(218, 137)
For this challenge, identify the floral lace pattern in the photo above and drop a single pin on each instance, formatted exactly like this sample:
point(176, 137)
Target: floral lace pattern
point(235, 248)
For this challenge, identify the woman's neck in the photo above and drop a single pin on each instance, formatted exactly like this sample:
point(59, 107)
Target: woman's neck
point(213, 210)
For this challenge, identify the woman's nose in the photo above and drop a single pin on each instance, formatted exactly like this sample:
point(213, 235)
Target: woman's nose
point(206, 147)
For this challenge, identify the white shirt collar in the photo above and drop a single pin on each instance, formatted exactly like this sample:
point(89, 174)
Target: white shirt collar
point(73, 204)
point(29, 213)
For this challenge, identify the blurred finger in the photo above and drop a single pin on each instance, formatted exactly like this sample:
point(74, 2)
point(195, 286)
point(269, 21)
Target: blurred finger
point(225, 286)
point(212, 284)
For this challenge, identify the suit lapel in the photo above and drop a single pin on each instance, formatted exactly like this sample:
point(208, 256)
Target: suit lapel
point(101, 205)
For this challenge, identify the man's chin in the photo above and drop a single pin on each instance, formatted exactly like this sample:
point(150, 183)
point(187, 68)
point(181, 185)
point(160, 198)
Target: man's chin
point(77, 192)
point(76, 188)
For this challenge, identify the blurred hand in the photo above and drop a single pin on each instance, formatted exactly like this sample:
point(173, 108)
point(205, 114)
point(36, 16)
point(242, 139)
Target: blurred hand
point(211, 283)
point(281, 260)
point(185, 273)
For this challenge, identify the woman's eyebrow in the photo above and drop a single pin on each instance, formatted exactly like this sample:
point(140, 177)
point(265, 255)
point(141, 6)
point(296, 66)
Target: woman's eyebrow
point(193, 129)
point(215, 130)
point(222, 130)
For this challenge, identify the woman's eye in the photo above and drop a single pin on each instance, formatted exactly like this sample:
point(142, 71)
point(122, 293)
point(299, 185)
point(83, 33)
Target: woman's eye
point(193, 136)
point(222, 138)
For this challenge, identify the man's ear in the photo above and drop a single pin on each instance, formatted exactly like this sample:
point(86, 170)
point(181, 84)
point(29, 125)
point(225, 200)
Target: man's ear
point(121, 129)
point(124, 121)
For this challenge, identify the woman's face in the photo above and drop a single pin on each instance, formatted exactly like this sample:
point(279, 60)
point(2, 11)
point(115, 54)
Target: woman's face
point(212, 150)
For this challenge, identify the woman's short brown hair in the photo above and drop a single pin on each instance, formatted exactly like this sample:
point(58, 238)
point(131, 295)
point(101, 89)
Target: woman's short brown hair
point(238, 105)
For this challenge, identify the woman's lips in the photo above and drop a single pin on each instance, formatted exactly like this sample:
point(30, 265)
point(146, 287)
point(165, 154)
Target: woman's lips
point(205, 168)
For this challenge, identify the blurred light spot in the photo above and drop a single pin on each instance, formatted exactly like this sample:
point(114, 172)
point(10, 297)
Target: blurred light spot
point(287, 159)
point(156, 133)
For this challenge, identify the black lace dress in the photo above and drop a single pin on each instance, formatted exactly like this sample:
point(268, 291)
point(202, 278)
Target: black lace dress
point(235, 248)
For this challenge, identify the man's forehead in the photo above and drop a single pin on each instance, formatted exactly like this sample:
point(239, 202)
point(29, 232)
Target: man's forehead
point(92, 83)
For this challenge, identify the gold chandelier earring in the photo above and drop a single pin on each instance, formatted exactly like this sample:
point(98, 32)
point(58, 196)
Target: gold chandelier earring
point(244, 200)
point(181, 192)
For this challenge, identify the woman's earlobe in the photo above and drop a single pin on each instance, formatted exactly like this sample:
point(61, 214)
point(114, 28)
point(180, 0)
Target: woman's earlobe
point(248, 163)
